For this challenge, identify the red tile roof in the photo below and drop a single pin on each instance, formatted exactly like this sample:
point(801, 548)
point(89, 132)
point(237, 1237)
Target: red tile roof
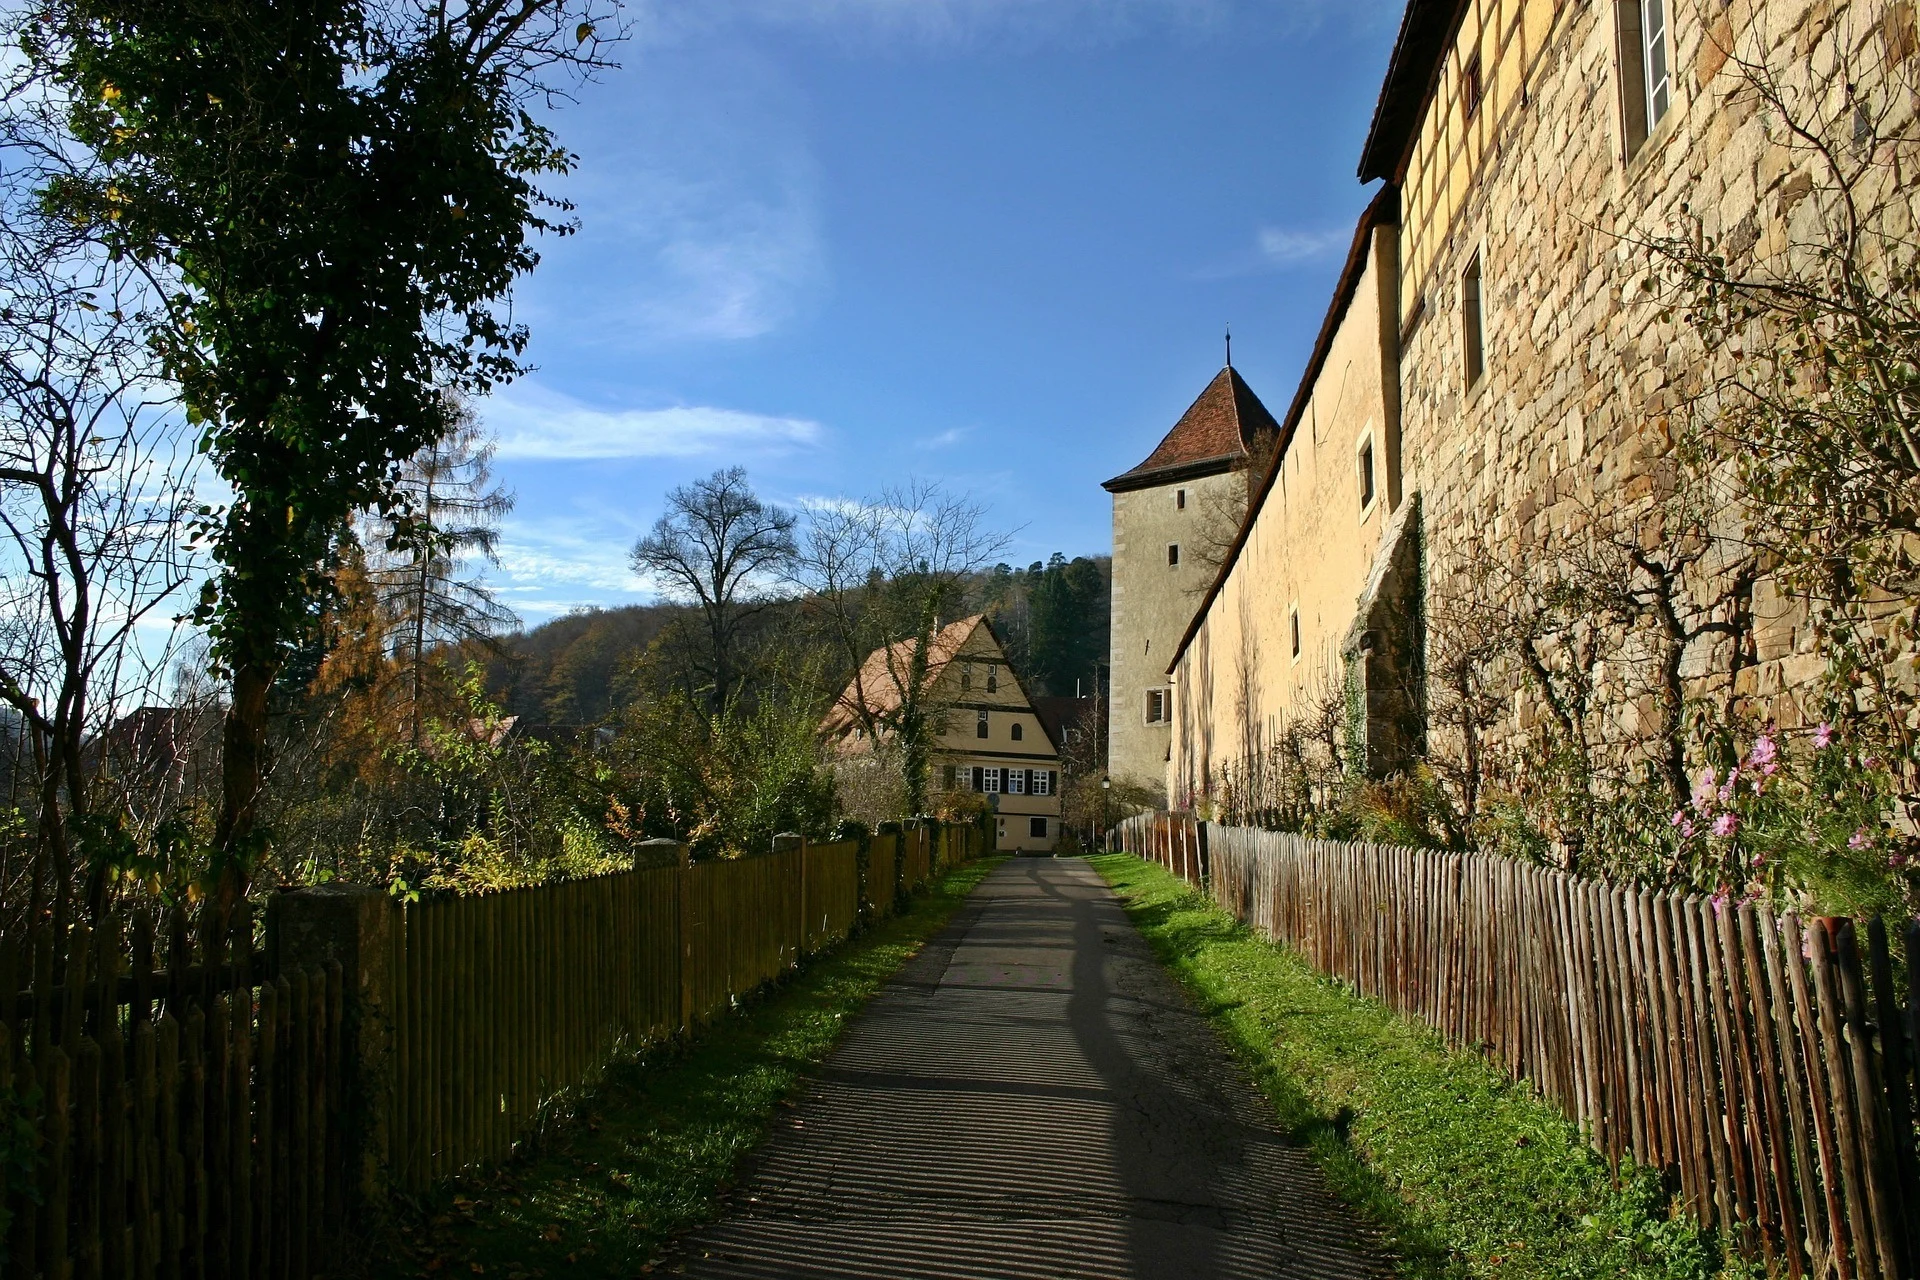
point(1215, 433)
point(882, 678)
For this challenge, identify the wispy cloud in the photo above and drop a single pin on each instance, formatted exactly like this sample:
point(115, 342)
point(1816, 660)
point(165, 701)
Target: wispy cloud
point(946, 439)
point(1288, 247)
point(546, 426)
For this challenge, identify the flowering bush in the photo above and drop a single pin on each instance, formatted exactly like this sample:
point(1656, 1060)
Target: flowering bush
point(1806, 827)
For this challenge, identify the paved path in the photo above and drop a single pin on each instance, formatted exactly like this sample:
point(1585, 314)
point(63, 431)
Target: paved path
point(1033, 1096)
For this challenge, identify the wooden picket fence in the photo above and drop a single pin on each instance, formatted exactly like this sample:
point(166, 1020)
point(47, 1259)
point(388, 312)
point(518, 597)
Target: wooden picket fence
point(1765, 1063)
point(206, 1111)
point(187, 1101)
point(504, 999)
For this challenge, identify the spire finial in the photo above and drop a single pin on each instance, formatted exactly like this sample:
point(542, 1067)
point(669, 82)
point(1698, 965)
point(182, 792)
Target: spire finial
point(1229, 346)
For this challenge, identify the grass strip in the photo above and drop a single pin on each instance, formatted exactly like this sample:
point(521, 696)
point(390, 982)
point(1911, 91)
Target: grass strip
point(1463, 1172)
point(645, 1154)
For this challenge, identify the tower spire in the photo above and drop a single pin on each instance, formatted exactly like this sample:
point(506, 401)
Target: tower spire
point(1229, 346)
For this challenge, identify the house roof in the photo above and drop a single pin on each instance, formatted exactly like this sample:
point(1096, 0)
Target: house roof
point(882, 678)
point(1215, 434)
point(1383, 211)
point(1060, 715)
point(1426, 32)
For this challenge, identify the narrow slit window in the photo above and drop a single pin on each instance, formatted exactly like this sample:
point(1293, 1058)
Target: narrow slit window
point(993, 680)
point(1173, 555)
point(1366, 476)
point(1470, 87)
point(1293, 626)
point(1179, 499)
point(980, 726)
point(1646, 80)
point(1653, 21)
point(1472, 333)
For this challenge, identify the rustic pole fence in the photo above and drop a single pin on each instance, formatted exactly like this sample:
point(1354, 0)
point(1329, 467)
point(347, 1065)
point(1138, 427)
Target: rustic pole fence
point(1765, 1063)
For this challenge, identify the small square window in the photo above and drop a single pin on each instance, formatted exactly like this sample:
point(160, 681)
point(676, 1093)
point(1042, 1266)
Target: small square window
point(1179, 499)
point(1173, 555)
point(1037, 828)
point(1157, 709)
point(1366, 476)
point(1472, 334)
point(980, 726)
point(1016, 728)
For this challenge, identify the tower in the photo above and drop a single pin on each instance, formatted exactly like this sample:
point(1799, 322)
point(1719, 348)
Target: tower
point(1170, 516)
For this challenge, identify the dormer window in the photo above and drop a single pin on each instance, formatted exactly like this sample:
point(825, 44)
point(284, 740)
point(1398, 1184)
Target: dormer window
point(1017, 729)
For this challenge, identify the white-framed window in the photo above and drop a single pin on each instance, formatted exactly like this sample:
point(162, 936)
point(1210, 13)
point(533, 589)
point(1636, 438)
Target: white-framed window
point(1646, 76)
point(1017, 782)
point(1363, 460)
point(1473, 350)
point(1158, 712)
point(1043, 782)
point(990, 780)
point(980, 726)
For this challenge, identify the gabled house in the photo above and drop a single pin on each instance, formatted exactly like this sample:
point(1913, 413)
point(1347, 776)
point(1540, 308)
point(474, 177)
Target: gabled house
point(987, 739)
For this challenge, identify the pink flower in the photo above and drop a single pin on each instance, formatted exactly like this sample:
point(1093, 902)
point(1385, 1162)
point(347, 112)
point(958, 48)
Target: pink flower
point(1896, 860)
point(1725, 824)
point(1719, 900)
point(1679, 817)
point(1726, 788)
point(1823, 736)
point(1759, 859)
point(1703, 789)
point(1765, 754)
point(1860, 839)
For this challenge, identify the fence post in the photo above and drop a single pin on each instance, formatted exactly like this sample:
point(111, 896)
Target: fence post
point(797, 843)
point(352, 925)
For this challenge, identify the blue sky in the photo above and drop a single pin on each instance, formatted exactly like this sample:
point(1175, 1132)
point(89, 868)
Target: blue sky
point(988, 242)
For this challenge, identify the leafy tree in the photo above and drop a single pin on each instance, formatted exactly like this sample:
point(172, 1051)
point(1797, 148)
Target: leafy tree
point(721, 549)
point(335, 199)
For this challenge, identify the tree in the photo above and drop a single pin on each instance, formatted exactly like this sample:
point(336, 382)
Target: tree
point(94, 500)
point(721, 549)
point(451, 515)
point(881, 576)
point(334, 199)
point(1067, 637)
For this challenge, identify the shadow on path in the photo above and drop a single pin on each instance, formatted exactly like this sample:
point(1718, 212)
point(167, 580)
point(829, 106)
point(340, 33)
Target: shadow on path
point(1033, 1096)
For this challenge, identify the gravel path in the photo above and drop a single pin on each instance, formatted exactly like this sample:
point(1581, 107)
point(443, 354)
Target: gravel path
point(1033, 1096)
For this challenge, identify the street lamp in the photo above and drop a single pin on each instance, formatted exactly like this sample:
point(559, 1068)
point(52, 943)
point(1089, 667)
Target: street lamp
point(1106, 785)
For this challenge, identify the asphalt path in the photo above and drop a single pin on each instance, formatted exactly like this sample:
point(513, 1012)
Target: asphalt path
point(1033, 1096)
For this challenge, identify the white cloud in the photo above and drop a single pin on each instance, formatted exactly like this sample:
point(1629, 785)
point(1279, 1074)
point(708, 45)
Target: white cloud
point(1283, 247)
point(946, 439)
point(547, 426)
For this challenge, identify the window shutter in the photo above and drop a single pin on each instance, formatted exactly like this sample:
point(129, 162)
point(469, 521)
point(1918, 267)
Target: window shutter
point(979, 783)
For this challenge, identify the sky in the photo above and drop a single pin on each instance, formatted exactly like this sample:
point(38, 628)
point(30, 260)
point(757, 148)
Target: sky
point(989, 243)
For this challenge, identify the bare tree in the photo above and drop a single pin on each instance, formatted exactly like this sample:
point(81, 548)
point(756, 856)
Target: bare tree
point(95, 501)
point(881, 577)
point(722, 549)
point(449, 515)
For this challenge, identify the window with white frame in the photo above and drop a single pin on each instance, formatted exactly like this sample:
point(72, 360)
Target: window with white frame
point(1043, 782)
point(1646, 79)
point(990, 780)
point(1159, 706)
point(1017, 782)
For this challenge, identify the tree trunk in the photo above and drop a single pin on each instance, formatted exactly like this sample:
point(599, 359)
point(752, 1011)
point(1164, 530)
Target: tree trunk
point(242, 767)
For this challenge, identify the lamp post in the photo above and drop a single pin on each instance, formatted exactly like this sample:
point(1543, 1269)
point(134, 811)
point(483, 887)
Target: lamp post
point(1106, 785)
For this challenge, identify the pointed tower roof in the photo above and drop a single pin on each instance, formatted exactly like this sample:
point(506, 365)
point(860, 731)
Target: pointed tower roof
point(1215, 434)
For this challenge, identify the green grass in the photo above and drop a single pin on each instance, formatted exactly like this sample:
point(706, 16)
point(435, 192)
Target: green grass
point(645, 1155)
point(1463, 1172)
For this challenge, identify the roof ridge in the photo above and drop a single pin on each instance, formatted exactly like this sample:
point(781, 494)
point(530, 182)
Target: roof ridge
point(1218, 427)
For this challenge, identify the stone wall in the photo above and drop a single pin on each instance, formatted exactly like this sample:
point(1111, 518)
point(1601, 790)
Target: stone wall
point(1573, 420)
